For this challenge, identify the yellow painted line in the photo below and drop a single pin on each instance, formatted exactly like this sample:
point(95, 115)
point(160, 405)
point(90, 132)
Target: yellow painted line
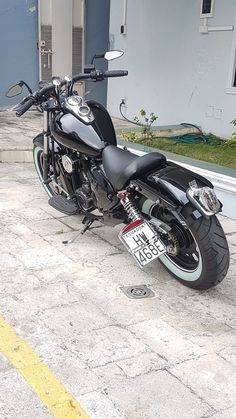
point(48, 389)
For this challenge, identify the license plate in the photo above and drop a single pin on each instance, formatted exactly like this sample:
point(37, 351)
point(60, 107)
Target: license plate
point(142, 242)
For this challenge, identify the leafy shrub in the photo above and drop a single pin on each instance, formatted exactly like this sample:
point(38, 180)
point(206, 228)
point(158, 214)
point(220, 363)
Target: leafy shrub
point(146, 124)
point(130, 136)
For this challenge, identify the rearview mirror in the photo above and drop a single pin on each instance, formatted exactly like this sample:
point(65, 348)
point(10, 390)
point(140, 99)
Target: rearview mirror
point(112, 55)
point(15, 90)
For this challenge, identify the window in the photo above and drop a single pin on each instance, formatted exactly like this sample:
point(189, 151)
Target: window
point(231, 88)
point(234, 83)
point(231, 85)
point(207, 8)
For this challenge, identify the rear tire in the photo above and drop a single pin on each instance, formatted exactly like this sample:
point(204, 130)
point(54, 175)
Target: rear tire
point(212, 260)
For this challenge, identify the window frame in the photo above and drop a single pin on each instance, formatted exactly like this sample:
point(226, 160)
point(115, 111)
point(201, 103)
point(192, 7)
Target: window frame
point(231, 89)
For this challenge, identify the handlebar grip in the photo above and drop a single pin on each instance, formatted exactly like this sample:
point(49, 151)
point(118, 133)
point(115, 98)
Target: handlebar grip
point(115, 73)
point(23, 108)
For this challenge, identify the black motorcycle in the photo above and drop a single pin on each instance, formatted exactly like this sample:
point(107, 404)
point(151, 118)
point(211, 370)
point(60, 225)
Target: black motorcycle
point(168, 211)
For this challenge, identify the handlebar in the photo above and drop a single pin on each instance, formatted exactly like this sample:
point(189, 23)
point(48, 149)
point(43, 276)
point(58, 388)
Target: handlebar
point(25, 106)
point(115, 73)
point(96, 75)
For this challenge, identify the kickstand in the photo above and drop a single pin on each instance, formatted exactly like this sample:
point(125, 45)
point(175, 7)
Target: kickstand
point(86, 224)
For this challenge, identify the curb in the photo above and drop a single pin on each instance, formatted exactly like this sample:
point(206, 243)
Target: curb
point(223, 182)
point(224, 185)
point(16, 156)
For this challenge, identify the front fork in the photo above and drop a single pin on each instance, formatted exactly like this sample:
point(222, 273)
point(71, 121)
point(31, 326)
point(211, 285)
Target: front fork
point(45, 145)
point(46, 162)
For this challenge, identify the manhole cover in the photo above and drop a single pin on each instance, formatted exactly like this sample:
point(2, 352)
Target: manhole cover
point(138, 291)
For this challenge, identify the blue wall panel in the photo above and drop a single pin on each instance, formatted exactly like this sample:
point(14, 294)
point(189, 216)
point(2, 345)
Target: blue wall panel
point(97, 41)
point(18, 45)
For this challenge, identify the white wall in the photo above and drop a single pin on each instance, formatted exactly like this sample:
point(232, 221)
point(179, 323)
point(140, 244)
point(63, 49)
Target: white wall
point(62, 37)
point(45, 12)
point(174, 71)
point(61, 15)
point(78, 13)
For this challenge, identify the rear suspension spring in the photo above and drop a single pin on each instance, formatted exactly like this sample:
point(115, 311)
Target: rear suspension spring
point(130, 207)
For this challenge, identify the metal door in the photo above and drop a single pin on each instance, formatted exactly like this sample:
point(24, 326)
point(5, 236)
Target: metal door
point(18, 45)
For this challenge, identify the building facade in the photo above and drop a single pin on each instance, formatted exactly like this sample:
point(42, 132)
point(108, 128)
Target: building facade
point(181, 59)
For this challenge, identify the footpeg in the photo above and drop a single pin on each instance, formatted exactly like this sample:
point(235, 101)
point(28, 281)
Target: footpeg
point(60, 203)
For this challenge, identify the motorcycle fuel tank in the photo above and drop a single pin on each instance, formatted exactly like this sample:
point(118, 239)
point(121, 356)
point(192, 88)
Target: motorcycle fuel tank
point(74, 134)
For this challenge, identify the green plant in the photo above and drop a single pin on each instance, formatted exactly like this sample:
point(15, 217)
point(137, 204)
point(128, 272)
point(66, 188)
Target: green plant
point(233, 122)
point(232, 141)
point(146, 125)
point(130, 136)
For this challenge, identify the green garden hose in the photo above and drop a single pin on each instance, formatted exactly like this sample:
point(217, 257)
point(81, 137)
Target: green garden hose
point(197, 137)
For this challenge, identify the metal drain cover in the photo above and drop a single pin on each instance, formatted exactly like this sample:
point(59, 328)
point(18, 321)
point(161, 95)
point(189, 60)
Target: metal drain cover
point(138, 291)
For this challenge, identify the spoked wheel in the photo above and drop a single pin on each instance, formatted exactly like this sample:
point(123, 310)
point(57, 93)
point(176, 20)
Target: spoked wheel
point(200, 255)
point(38, 162)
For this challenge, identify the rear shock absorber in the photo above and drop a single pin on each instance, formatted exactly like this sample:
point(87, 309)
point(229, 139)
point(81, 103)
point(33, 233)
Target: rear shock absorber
point(126, 199)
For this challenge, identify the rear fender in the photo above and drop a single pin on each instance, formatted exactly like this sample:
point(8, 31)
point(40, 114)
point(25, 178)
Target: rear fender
point(176, 180)
point(171, 186)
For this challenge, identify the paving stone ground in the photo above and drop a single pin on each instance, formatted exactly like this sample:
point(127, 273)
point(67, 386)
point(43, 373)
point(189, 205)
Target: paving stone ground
point(17, 133)
point(170, 356)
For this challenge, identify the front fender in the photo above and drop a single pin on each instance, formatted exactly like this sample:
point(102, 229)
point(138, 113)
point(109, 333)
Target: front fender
point(40, 138)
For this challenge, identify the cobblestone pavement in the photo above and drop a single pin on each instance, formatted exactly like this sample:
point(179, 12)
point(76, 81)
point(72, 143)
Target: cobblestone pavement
point(170, 356)
point(17, 133)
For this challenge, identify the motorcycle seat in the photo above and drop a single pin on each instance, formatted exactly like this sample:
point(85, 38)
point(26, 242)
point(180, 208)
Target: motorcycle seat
point(120, 166)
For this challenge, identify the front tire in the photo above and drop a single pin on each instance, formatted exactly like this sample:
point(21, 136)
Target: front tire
point(38, 162)
point(203, 260)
